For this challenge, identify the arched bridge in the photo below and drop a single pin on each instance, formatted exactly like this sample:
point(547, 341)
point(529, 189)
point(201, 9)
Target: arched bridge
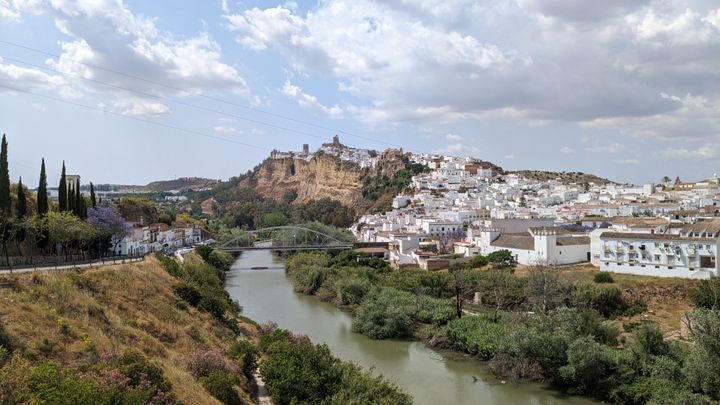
point(284, 238)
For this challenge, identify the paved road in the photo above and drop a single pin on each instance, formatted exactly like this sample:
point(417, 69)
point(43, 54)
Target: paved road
point(70, 266)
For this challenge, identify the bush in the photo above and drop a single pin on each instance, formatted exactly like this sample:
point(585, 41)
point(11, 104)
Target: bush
point(188, 292)
point(603, 277)
point(309, 279)
point(478, 335)
point(605, 299)
point(204, 251)
point(352, 290)
point(244, 352)
point(203, 363)
point(221, 385)
point(385, 313)
point(5, 340)
point(220, 259)
point(50, 383)
point(300, 373)
point(706, 294)
point(589, 367)
point(436, 311)
point(302, 259)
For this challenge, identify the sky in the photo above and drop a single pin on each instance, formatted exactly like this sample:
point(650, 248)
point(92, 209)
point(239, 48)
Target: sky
point(129, 92)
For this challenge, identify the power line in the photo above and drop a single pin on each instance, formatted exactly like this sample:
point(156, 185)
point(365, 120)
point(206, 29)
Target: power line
point(159, 124)
point(217, 99)
point(144, 94)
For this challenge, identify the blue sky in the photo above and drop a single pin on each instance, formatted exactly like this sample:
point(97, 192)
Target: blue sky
point(136, 91)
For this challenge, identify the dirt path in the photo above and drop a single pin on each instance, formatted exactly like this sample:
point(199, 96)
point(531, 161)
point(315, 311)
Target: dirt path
point(263, 395)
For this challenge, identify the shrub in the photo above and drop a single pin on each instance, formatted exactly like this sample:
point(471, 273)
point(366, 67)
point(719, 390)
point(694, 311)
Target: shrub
point(220, 259)
point(188, 292)
point(603, 277)
point(202, 363)
point(352, 290)
point(385, 313)
point(436, 311)
point(607, 300)
point(649, 341)
point(360, 387)
point(296, 262)
point(706, 294)
point(478, 335)
point(590, 364)
point(300, 373)
point(221, 385)
point(244, 352)
point(50, 383)
point(204, 251)
point(5, 340)
point(309, 279)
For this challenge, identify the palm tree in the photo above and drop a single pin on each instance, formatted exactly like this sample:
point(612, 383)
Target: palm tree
point(666, 180)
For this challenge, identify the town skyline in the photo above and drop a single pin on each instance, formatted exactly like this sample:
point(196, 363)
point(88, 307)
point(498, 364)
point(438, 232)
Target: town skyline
point(632, 97)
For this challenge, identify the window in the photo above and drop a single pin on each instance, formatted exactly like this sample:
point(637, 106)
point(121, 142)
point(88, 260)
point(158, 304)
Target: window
point(670, 267)
point(657, 267)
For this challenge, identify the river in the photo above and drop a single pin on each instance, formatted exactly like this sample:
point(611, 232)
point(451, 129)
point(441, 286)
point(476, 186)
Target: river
point(429, 376)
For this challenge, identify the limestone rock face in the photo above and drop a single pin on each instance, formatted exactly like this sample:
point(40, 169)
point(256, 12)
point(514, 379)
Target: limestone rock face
point(322, 176)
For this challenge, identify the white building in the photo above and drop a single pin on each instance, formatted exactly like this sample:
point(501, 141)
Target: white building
point(691, 253)
point(538, 246)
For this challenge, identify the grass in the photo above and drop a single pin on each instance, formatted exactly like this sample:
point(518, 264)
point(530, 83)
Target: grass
point(69, 317)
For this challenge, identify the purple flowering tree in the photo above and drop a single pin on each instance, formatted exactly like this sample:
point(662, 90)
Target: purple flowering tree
point(111, 227)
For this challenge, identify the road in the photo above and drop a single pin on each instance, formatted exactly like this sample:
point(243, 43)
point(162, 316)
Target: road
point(70, 266)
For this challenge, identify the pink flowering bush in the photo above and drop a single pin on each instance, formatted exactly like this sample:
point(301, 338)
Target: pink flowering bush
point(203, 363)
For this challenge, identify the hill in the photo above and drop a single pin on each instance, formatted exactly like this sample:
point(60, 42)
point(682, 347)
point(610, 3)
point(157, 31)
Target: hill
point(564, 177)
point(163, 186)
point(77, 333)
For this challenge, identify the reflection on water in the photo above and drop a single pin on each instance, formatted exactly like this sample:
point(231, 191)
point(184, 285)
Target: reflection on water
point(432, 378)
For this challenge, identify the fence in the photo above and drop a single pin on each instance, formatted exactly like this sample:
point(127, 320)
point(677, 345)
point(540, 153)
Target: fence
point(43, 262)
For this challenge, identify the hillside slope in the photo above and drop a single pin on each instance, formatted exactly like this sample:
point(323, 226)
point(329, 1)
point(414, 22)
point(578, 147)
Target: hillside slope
point(75, 319)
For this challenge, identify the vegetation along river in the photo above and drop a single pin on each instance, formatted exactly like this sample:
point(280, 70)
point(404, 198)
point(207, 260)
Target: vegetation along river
point(429, 376)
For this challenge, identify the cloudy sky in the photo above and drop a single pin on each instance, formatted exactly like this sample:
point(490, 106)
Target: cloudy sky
point(134, 91)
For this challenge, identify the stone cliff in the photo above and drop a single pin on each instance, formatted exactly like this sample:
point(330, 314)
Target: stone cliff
point(322, 176)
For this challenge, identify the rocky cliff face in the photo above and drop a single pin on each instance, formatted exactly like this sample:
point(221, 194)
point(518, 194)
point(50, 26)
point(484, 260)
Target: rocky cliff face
point(323, 176)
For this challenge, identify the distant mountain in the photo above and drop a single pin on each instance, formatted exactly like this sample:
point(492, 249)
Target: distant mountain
point(182, 184)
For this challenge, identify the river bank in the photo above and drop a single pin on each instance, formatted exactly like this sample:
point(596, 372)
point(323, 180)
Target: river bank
point(430, 376)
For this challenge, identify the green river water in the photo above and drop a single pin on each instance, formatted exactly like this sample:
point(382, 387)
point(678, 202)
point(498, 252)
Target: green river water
point(431, 377)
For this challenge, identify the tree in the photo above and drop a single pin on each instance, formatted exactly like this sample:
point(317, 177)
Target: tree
point(108, 224)
point(93, 199)
point(79, 201)
point(71, 199)
point(67, 229)
point(463, 281)
point(42, 201)
point(544, 287)
point(4, 178)
point(665, 180)
point(63, 191)
point(20, 214)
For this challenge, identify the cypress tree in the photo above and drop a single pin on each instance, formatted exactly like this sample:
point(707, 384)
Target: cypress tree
point(42, 200)
point(20, 213)
point(78, 200)
point(63, 191)
point(93, 199)
point(21, 208)
point(4, 178)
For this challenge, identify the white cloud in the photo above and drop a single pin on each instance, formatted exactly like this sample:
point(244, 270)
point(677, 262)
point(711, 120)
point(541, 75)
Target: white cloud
point(510, 156)
point(626, 161)
point(224, 6)
point(707, 151)
point(457, 149)
point(453, 60)
point(140, 107)
point(309, 101)
point(106, 34)
point(8, 13)
point(608, 148)
point(226, 130)
point(566, 150)
point(453, 137)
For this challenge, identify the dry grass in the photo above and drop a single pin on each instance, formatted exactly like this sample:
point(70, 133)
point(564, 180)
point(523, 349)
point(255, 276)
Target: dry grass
point(666, 299)
point(68, 316)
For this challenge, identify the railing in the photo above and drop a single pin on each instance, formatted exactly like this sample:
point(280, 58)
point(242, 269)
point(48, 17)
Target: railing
point(73, 263)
